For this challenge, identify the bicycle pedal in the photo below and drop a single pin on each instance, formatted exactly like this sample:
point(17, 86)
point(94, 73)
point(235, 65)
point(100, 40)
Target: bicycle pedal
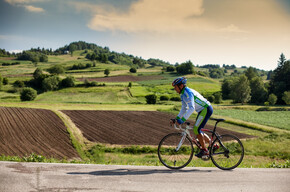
point(205, 157)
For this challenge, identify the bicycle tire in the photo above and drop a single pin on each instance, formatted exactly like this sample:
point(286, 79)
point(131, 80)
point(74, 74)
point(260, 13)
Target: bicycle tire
point(168, 155)
point(230, 153)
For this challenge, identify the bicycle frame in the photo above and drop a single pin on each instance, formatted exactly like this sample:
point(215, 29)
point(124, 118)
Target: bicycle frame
point(185, 132)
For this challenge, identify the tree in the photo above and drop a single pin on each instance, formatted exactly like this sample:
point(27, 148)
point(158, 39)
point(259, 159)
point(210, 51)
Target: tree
point(107, 72)
point(37, 73)
point(272, 99)
point(138, 62)
point(251, 73)
point(185, 68)
point(28, 94)
point(286, 97)
point(72, 48)
point(0, 82)
point(216, 73)
point(103, 58)
point(258, 91)
point(217, 97)
point(170, 68)
point(51, 83)
point(226, 88)
point(241, 90)
point(280, 81)
point(130, 84)
point(281, 60)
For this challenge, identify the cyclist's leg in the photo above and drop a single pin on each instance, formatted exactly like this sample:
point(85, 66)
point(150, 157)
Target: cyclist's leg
point(201, 120)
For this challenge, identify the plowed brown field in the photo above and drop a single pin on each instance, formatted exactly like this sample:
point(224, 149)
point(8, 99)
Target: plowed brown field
point(127, 127)
point(24, 131)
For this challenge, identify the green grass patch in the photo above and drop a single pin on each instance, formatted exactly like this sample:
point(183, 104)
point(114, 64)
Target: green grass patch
point(279, 119)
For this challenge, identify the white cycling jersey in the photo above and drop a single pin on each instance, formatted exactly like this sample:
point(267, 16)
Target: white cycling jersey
point(191, 100)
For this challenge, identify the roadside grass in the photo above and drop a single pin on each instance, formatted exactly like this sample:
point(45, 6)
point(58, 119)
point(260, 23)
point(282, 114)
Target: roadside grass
point(119, 157)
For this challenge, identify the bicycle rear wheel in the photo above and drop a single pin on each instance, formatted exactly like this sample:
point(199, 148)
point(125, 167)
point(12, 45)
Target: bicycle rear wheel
point(175, 153)
point(227, 152)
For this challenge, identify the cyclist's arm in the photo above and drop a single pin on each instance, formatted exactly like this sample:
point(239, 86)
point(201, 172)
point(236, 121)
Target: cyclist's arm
point(182, 110)
point(187, 108)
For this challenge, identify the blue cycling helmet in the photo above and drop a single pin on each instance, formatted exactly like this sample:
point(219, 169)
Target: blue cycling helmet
point(179, 80)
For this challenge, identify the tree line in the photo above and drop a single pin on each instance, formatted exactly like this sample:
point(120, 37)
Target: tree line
point(250, 88)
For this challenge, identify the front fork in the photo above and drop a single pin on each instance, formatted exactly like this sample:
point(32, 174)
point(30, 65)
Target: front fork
point(181, 141)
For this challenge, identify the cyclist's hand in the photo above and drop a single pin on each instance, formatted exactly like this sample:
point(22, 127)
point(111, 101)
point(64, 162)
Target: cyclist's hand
point(179, 122)
point(172, 122)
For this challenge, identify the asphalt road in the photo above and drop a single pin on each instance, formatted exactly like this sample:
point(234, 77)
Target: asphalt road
point(78, 177)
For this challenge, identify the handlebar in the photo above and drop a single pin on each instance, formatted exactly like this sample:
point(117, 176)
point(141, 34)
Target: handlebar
point(179, 126)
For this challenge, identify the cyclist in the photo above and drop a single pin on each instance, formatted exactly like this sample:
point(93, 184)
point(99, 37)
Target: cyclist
point(193, 101)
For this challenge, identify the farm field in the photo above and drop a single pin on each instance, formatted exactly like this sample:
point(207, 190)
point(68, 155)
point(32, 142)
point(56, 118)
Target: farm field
point(127, 127)
point(24, 131)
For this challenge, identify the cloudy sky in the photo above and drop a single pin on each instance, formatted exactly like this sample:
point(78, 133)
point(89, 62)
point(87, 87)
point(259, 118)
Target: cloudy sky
point(241, 32)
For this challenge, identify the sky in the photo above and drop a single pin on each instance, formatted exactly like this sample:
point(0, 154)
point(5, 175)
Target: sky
point(240, 32)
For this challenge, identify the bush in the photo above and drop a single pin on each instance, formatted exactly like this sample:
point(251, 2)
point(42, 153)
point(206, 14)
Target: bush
point(202, 73)
point(28, 94)
point(1, 81)
point(211, 98)
point(18, 83)
point(164, 98)
point(5, 81)
point(170, 69)
point(68, 82)
point(175, 99)
point(56, 69)
point(133, 70)
point(130, 84)
point(151, 99)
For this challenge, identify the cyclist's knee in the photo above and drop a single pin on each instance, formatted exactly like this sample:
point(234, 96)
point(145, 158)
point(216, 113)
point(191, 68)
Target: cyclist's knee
point(196, 131)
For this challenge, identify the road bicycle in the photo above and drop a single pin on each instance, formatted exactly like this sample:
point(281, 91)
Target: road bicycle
point(175, 150)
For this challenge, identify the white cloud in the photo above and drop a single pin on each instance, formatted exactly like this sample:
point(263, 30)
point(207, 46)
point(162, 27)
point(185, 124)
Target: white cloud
point(33, 9)
point(17, 2)
point(232, 29)
point(26, 5)
point(153, 16)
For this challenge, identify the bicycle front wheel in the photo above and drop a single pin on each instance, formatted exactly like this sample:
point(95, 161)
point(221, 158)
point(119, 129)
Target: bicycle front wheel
point(227, 152)
point(175, 150)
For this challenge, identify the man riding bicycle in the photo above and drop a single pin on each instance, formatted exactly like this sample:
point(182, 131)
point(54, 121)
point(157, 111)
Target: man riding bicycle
point(193, 101)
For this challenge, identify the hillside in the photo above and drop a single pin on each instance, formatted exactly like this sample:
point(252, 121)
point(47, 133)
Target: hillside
point(76, 84)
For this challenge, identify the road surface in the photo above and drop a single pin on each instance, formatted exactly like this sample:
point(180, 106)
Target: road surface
point(102, 178)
